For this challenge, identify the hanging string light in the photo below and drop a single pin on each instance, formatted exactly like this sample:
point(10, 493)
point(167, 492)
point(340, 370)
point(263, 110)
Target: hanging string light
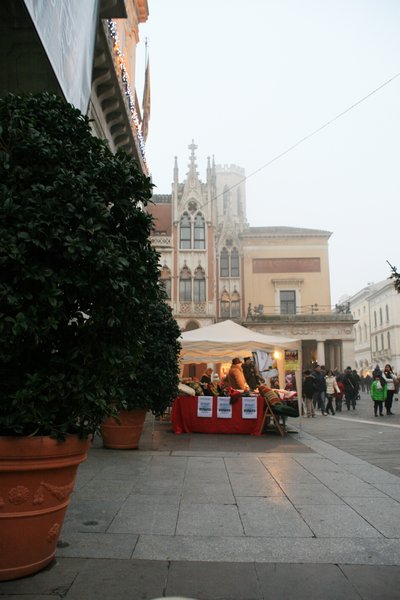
point(112, 26)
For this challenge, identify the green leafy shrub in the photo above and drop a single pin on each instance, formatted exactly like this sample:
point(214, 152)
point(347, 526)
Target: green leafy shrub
point(154, 385)
point(77, 271)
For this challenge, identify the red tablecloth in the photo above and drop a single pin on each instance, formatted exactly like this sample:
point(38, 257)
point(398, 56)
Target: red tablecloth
point(184, 418)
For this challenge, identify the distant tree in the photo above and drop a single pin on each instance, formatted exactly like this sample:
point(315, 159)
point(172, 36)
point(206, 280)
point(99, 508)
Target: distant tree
point(395, 276)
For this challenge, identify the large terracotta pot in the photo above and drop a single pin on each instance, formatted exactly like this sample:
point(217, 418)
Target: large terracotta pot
point(37, 476)
point(125, 433)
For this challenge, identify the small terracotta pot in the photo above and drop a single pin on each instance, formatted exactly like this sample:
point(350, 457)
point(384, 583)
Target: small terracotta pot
point(124, 435)
point(37, 477)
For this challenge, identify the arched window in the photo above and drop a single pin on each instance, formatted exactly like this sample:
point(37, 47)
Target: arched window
point(199, 285)
point(375, 321)
point(165, 277)
point(388, 338)
point(235, 304)
point(226, 198)
point(380, 317)
point(382, 342)
point(365, 332)
point(199, 232)
point(185, 285)
point(225, 305)
point(387, 313)
point(185, 232)
point(234, 263)
point(224, 263)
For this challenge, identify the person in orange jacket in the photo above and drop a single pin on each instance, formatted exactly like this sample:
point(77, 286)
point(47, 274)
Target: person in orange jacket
point(236, 377)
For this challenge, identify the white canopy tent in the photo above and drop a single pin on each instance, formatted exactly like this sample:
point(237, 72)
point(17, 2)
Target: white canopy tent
point(223, 341)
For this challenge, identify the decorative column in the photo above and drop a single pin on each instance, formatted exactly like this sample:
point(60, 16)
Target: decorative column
point(320, 352)
point(348, 353)
point(337, 358)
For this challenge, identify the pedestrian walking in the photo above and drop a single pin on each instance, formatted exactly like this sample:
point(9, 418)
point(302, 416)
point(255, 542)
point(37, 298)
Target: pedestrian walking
point(331, 389)
point(339, 395)
point(320, 388)
point(389, 376)
point(308, 392)
point(350, 388)
point(378, 394)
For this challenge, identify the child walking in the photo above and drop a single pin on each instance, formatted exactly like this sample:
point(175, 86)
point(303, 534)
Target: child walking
point(378, 393)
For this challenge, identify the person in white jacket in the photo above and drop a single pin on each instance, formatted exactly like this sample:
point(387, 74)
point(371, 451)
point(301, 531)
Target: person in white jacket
point(390, 378)
point(331, 388)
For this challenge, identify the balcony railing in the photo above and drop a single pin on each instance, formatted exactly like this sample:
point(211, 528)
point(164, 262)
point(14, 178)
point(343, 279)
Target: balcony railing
point(314, 312)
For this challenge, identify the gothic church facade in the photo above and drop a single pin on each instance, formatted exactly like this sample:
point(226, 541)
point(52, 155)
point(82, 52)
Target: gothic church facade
point(214, 266)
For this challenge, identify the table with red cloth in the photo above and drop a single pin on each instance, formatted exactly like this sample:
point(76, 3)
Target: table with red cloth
point(184, 418)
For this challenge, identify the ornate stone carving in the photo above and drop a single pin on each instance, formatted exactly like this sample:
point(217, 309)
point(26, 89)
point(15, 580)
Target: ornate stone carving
point(185, 308)
point(161, 240)
point(200, 307)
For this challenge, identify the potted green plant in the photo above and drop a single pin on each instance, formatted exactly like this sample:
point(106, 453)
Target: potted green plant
point(77, 275)
point(152, 386)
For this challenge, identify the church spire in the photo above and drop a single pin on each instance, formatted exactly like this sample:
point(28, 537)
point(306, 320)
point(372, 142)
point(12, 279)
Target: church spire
point(176, 174)
point(192, 165)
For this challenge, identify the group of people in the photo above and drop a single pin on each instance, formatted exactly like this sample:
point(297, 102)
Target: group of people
point(321, 389)
point(242, 375)
point(385, 384)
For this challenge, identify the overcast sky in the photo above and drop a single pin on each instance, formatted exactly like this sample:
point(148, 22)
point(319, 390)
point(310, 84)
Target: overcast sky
point(248, 79)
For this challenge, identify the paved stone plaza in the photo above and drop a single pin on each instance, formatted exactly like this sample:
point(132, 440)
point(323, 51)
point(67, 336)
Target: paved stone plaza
point(313, 515)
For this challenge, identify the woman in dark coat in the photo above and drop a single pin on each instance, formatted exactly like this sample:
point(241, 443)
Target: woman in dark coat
point(350, 388)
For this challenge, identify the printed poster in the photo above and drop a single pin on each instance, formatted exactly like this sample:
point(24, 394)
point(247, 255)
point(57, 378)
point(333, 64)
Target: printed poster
point(291, 360)
point(224, 408)
point(204, 406)
point(249, 407)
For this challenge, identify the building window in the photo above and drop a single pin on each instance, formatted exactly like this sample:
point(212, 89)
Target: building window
point(185, 285)
point(387, 313)
point(224, 263)
point(380, 316)
point(375, 321)
point(388, 339)
point(288, 302)
point(235, 304)
point(376, 343)
point(382, 342)
point(234, 263)
point(225, 301)
point(185, 232)
point(166, 280)
point(365, 332)
point(199, 232)
point(199, 285)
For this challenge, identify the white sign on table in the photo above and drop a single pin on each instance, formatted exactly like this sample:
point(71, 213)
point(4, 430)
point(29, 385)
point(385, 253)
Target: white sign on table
point(249, 407)
point(204, 406)
point(224, 407)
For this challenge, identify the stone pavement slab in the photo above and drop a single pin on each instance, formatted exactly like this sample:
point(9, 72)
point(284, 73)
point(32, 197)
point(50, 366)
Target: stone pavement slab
point(146, 580)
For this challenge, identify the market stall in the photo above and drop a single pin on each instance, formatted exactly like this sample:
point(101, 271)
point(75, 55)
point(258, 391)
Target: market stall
point(220, 343)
